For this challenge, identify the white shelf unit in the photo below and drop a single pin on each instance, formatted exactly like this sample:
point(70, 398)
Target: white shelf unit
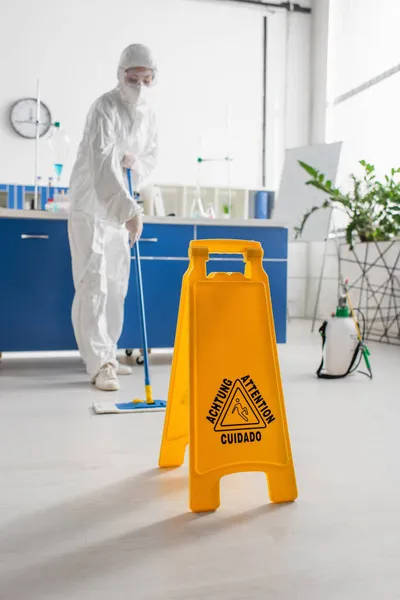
point(178, 200)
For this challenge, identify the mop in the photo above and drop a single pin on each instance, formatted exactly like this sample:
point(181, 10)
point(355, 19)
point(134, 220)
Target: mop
point(148, 405)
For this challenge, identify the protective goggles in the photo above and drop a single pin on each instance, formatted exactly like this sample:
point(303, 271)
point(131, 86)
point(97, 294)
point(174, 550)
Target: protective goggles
point(140, 76)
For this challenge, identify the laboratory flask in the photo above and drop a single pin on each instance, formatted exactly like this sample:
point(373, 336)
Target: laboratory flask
point(59, 144)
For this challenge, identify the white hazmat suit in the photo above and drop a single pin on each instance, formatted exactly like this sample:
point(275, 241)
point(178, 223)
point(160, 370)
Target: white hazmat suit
point(120, 127)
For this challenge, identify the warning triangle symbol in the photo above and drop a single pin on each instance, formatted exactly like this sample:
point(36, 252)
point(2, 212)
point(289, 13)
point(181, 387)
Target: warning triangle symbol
point(239, 413)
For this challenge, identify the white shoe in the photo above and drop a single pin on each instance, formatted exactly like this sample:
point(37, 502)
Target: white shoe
point(124, 369)
point(106, 379)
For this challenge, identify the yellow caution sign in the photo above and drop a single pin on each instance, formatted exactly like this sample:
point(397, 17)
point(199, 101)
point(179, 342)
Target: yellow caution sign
point(225, 391)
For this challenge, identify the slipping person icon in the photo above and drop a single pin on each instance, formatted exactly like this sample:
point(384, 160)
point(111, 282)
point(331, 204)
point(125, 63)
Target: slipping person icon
point(243, 412)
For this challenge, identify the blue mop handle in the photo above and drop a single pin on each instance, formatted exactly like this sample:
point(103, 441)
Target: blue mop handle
point(139, 281)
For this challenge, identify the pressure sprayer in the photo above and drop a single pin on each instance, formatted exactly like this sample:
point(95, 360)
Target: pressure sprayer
point(343, 347)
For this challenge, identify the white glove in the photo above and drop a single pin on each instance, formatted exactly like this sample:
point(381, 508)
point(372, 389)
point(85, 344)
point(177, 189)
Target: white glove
point(135, 228)
point(128, 161)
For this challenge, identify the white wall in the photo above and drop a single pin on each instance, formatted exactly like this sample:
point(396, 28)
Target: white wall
point(288, 87)
point(74, 47)
point(304, 275)
point(319, 69)
point(353, 41)
point(210, 56)
point(364, 43)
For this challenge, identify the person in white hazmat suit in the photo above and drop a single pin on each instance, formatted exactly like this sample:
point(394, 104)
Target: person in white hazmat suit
point(120, 133)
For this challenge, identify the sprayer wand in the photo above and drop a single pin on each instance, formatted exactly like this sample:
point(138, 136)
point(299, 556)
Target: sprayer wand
point(365, 352)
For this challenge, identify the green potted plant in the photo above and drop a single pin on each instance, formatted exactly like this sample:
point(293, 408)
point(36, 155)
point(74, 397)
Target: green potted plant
point(373, 207)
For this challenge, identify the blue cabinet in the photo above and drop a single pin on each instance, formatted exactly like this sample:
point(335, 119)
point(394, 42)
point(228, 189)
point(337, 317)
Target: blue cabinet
point(36, 288)
point(166, 241)
point(162, 280)
point(274, 240)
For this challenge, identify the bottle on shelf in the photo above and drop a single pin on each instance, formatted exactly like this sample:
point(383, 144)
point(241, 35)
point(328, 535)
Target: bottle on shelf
point(58, 203)
point(49, 206)
point(210, 212)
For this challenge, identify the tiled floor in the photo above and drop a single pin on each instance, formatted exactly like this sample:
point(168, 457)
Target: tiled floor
point(86, 515)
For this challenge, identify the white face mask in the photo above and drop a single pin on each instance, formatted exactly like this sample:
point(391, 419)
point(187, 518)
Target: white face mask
point(135, 93)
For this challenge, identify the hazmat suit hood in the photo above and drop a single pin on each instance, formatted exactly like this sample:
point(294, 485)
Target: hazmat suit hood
point(135, 55)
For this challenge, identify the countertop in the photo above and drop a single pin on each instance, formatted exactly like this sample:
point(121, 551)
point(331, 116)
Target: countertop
point(42, 214)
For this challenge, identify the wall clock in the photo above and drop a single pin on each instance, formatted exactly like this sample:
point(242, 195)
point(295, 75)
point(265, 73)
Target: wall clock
point(23, 118)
